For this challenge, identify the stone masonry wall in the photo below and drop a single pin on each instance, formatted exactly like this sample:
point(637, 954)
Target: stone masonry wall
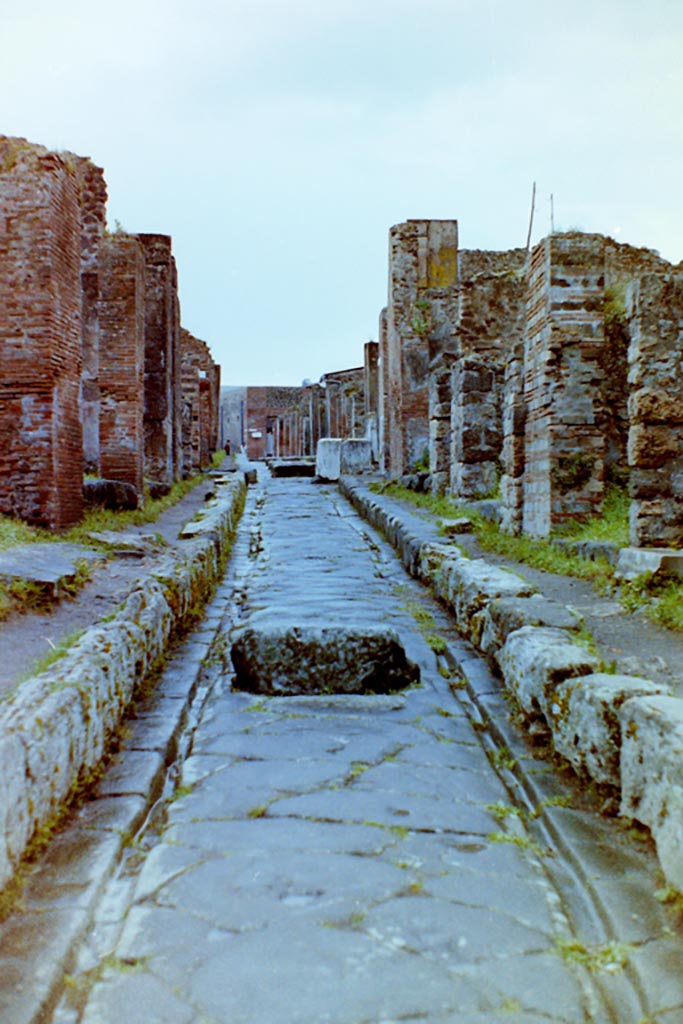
point(655, 443)
point(564, 443)
point(423, 273)
point(122, 359)
point(162, 415)
point(440, 396)
point(41, 458)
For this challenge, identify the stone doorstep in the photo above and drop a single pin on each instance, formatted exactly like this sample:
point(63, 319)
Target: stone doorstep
point(619, 729)
point(634, 561)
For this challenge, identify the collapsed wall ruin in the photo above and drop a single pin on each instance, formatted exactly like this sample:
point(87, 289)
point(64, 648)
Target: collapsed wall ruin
point(90, 357)
point(545, 375)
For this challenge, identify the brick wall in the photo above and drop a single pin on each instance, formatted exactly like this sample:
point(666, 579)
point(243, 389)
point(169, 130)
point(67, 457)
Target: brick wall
point(162, 410)
point(122, 358)
point(93, 200)
point(200, 383)
point(41, 458)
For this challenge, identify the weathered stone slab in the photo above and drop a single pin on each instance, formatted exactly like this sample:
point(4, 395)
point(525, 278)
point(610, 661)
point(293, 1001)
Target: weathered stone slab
point(356, 455)
point(48, 564)
point(328, 458)
point(634, 561)
point(585, 721)
point(334, 659)
point(504, 615)
point(652, 775)
point(534, 660)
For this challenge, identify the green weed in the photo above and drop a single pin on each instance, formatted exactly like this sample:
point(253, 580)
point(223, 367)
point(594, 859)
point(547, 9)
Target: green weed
point(56, 652)
point(609, 957)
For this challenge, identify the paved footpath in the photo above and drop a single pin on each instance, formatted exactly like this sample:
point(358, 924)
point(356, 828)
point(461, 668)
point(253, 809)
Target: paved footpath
point(370, 859)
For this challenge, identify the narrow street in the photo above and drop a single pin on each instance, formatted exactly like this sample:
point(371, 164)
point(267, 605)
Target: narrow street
point(367, 859)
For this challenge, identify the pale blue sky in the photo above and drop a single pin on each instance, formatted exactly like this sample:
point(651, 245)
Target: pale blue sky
point(278, 140)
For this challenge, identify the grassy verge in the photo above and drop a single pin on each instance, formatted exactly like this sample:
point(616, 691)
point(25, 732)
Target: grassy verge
point(537, 553)
point(660, 597)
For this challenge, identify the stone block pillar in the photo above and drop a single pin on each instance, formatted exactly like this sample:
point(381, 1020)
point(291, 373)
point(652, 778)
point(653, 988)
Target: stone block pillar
point(423, 273)
point(513, 424)
point(41, 456)
point(162, 417)
point(440, 395)
point(476, 427)
point(564, 443)
point(122, 359)
point(655, 442)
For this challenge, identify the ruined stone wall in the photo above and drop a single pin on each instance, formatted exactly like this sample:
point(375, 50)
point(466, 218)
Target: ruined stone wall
point(93, 200)
point(121, 316)
point(423, 273)
point(564, 442)
point(41, 458)
point(655, 444)
point(162, 416)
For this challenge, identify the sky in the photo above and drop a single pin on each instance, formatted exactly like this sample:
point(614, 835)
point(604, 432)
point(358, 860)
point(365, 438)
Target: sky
point(277, 141)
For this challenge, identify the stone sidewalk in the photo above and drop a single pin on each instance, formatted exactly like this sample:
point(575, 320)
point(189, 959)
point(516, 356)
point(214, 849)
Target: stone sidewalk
point(368, 859)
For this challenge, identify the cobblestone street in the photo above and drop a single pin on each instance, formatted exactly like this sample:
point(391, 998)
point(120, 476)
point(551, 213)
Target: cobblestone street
point(368, 858)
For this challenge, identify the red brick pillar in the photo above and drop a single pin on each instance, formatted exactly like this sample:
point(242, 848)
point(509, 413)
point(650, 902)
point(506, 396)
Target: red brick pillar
point(564, 435)
point(41, 455)
point(93, 199)
point(122, 359)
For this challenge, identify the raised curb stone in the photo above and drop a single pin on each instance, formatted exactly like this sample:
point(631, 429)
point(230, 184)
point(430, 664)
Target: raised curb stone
point(56, 726)
point(652, 774)
point(586, 725)
point(535, 659)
